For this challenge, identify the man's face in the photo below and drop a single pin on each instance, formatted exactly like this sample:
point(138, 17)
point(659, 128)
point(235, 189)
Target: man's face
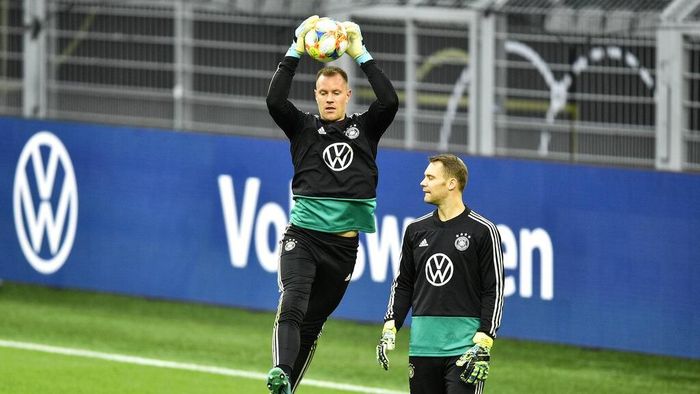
point(332, 95)
point(434, 183)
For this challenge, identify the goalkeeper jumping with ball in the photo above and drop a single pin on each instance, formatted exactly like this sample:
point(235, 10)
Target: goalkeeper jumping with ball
point(334, 189)
point(451, 276)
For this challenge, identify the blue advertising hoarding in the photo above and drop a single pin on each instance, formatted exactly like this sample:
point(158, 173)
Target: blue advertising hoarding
point(594, 256)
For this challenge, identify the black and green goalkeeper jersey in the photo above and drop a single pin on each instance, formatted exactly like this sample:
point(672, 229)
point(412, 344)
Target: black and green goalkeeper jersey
point(335, 173)
point(451, 276)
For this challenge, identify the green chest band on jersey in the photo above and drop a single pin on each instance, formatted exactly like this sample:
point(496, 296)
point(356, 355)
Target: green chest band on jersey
point(334, 215)
point(441, 336)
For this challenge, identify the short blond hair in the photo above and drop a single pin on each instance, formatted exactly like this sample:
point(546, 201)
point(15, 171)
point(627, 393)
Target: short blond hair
point(329, 71)
point(454, 167)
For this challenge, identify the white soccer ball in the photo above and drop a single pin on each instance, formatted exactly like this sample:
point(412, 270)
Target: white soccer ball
point(327, 42)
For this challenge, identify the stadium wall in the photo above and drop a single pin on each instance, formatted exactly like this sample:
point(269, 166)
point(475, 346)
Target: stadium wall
point(594, 256)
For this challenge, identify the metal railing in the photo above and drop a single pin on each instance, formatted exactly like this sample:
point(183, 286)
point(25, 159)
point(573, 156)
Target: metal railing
point(691, 102)
point(11, 35)
point(569, 89)
point(566, 80)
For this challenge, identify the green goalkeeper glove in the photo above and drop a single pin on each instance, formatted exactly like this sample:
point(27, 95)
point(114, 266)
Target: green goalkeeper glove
point(386, 342)
point(297, 49)
point(476, 360)
point(356, 48)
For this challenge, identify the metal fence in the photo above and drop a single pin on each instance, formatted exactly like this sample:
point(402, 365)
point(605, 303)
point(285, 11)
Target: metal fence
point(166, 65)
point(560, 80)
point(11, 35)
point(691, 103)
point(575, 84)
point(427, 58)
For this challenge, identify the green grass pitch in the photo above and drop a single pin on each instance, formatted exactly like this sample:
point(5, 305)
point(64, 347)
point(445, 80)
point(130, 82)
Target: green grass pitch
point(239, 340)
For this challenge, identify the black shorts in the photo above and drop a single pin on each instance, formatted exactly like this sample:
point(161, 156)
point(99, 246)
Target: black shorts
point(315, 270)
point(438, 375)
point(326, 260)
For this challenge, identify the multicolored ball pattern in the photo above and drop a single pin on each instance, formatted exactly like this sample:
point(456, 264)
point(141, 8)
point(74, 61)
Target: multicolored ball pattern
point(327, 42)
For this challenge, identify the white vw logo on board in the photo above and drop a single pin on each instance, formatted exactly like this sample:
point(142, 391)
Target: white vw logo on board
point(338, 156)
point(439, 269)
point(45, 202)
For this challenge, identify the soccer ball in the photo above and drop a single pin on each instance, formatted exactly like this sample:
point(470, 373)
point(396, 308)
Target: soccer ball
point(327, 42)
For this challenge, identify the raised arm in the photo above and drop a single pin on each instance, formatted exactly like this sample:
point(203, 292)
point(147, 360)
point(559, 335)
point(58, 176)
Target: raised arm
point(382, 111)
point(283, 112)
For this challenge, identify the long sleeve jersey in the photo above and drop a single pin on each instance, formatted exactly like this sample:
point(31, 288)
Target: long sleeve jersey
point(309, 136)
point(335, 172)
point(451, 276)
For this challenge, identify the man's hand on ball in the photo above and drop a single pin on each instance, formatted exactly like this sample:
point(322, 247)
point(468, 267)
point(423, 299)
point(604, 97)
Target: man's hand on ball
point(297, 48)
point(355, 46)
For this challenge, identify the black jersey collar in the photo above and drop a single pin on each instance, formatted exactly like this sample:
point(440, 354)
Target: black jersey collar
point(334, 126)
point(440, 223)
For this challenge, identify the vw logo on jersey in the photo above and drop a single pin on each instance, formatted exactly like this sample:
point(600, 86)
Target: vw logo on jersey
point(45, 202)
point(352, 132)
point(462, 242)
point(439, 269)
point(338, 156)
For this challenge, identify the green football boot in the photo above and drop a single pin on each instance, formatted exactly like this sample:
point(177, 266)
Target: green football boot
point(278, 382)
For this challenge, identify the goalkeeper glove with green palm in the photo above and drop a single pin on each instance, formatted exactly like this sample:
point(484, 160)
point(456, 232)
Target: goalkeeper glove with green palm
point(386, 342)
point(297, 49)
point(356, 48)
point(476, 359)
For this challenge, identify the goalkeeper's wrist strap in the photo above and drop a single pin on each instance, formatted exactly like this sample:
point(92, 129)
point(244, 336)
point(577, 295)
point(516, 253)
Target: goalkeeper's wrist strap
point(365, 57)
point(292, 51)
point(389, 324)
point(483, 340)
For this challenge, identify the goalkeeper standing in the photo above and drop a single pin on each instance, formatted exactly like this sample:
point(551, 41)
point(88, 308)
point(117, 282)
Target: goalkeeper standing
point(334, 188)
point(451, 275)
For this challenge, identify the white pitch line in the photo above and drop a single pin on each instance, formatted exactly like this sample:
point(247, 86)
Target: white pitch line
point(151, 362)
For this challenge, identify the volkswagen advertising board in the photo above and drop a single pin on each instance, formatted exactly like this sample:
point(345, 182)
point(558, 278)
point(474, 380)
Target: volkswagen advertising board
point(593, 256)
